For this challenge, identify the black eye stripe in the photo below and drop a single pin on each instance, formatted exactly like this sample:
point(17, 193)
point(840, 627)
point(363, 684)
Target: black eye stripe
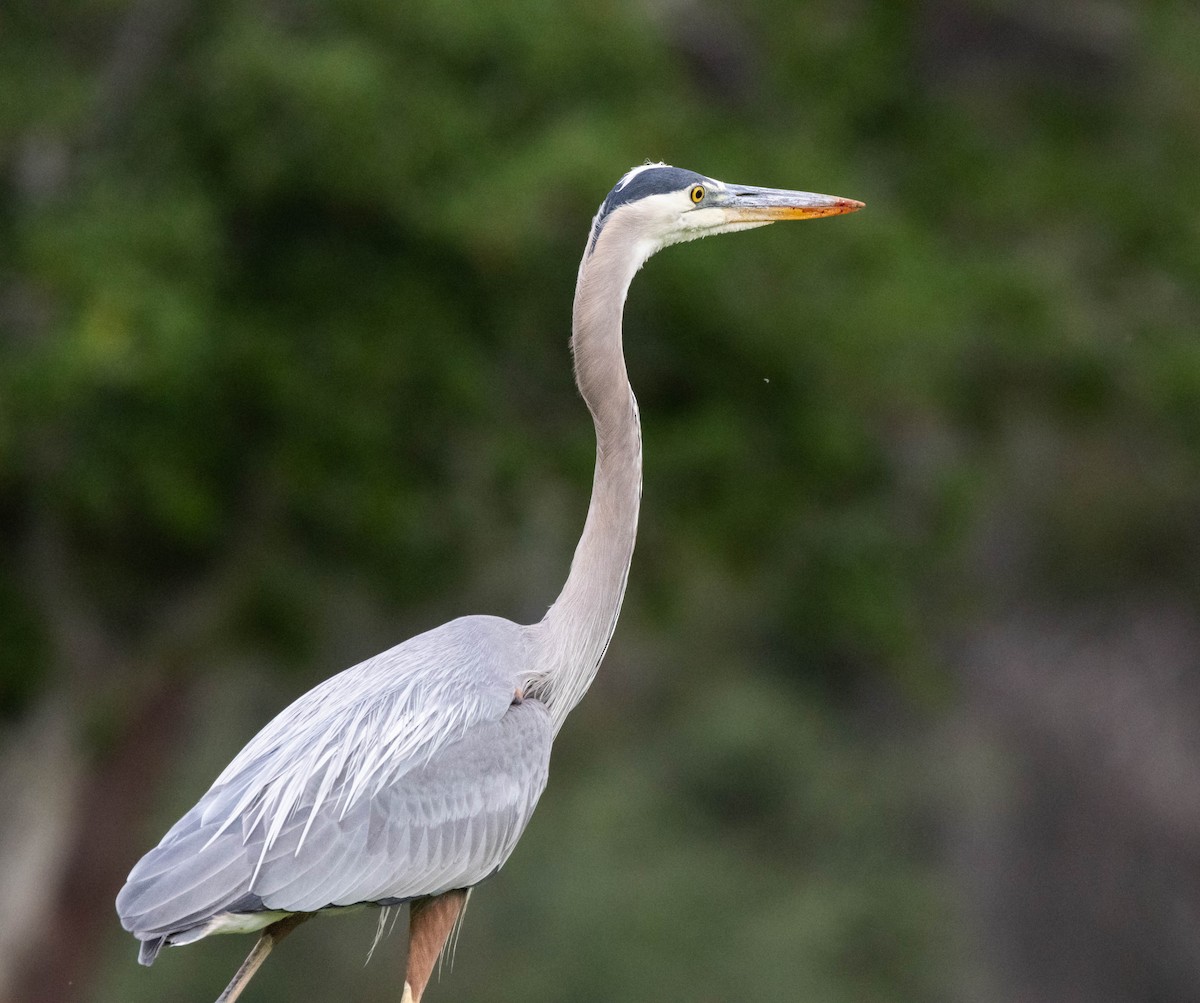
point(651, 181)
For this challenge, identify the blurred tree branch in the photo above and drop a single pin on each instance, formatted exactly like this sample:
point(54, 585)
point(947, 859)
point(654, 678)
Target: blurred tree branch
point(63, 841)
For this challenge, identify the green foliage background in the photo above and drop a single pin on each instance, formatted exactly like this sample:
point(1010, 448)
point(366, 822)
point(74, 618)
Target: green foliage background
point(285, 317)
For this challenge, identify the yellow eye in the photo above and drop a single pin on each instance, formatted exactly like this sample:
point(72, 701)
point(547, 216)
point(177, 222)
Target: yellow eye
point(698, 193)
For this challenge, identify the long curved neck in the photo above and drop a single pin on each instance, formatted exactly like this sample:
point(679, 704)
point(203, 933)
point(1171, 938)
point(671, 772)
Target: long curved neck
point(571, 639)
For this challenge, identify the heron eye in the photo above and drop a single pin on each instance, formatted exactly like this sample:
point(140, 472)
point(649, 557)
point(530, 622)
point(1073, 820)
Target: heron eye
point(698, 193)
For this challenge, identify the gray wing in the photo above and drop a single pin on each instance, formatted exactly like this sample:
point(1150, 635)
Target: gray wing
point(447, 824)
point(462, 816)
point(372, 813)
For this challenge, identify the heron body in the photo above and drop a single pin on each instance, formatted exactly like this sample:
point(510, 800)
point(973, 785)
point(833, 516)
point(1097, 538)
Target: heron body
point(411, 776)
point(304, 818)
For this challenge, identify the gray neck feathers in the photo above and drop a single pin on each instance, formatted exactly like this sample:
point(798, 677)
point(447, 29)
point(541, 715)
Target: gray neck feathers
point(570, 641)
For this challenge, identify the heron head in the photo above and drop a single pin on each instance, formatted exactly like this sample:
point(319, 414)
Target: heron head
point(655, 205)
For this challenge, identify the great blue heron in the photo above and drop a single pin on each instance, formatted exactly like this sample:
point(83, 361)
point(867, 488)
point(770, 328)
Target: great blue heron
point(411, 776)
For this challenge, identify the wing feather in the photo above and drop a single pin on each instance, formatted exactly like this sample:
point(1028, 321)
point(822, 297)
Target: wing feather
point(430, 850)
point(441, 810)
point(377, 720)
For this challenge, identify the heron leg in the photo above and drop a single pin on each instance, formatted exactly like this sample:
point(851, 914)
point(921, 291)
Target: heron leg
point(271, 936)
point(430, 921)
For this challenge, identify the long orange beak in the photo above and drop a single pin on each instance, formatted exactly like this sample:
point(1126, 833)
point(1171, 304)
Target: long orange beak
point(743, 204)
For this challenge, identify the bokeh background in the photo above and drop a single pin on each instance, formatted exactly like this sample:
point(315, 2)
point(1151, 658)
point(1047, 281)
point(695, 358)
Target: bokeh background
point(904, 702)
